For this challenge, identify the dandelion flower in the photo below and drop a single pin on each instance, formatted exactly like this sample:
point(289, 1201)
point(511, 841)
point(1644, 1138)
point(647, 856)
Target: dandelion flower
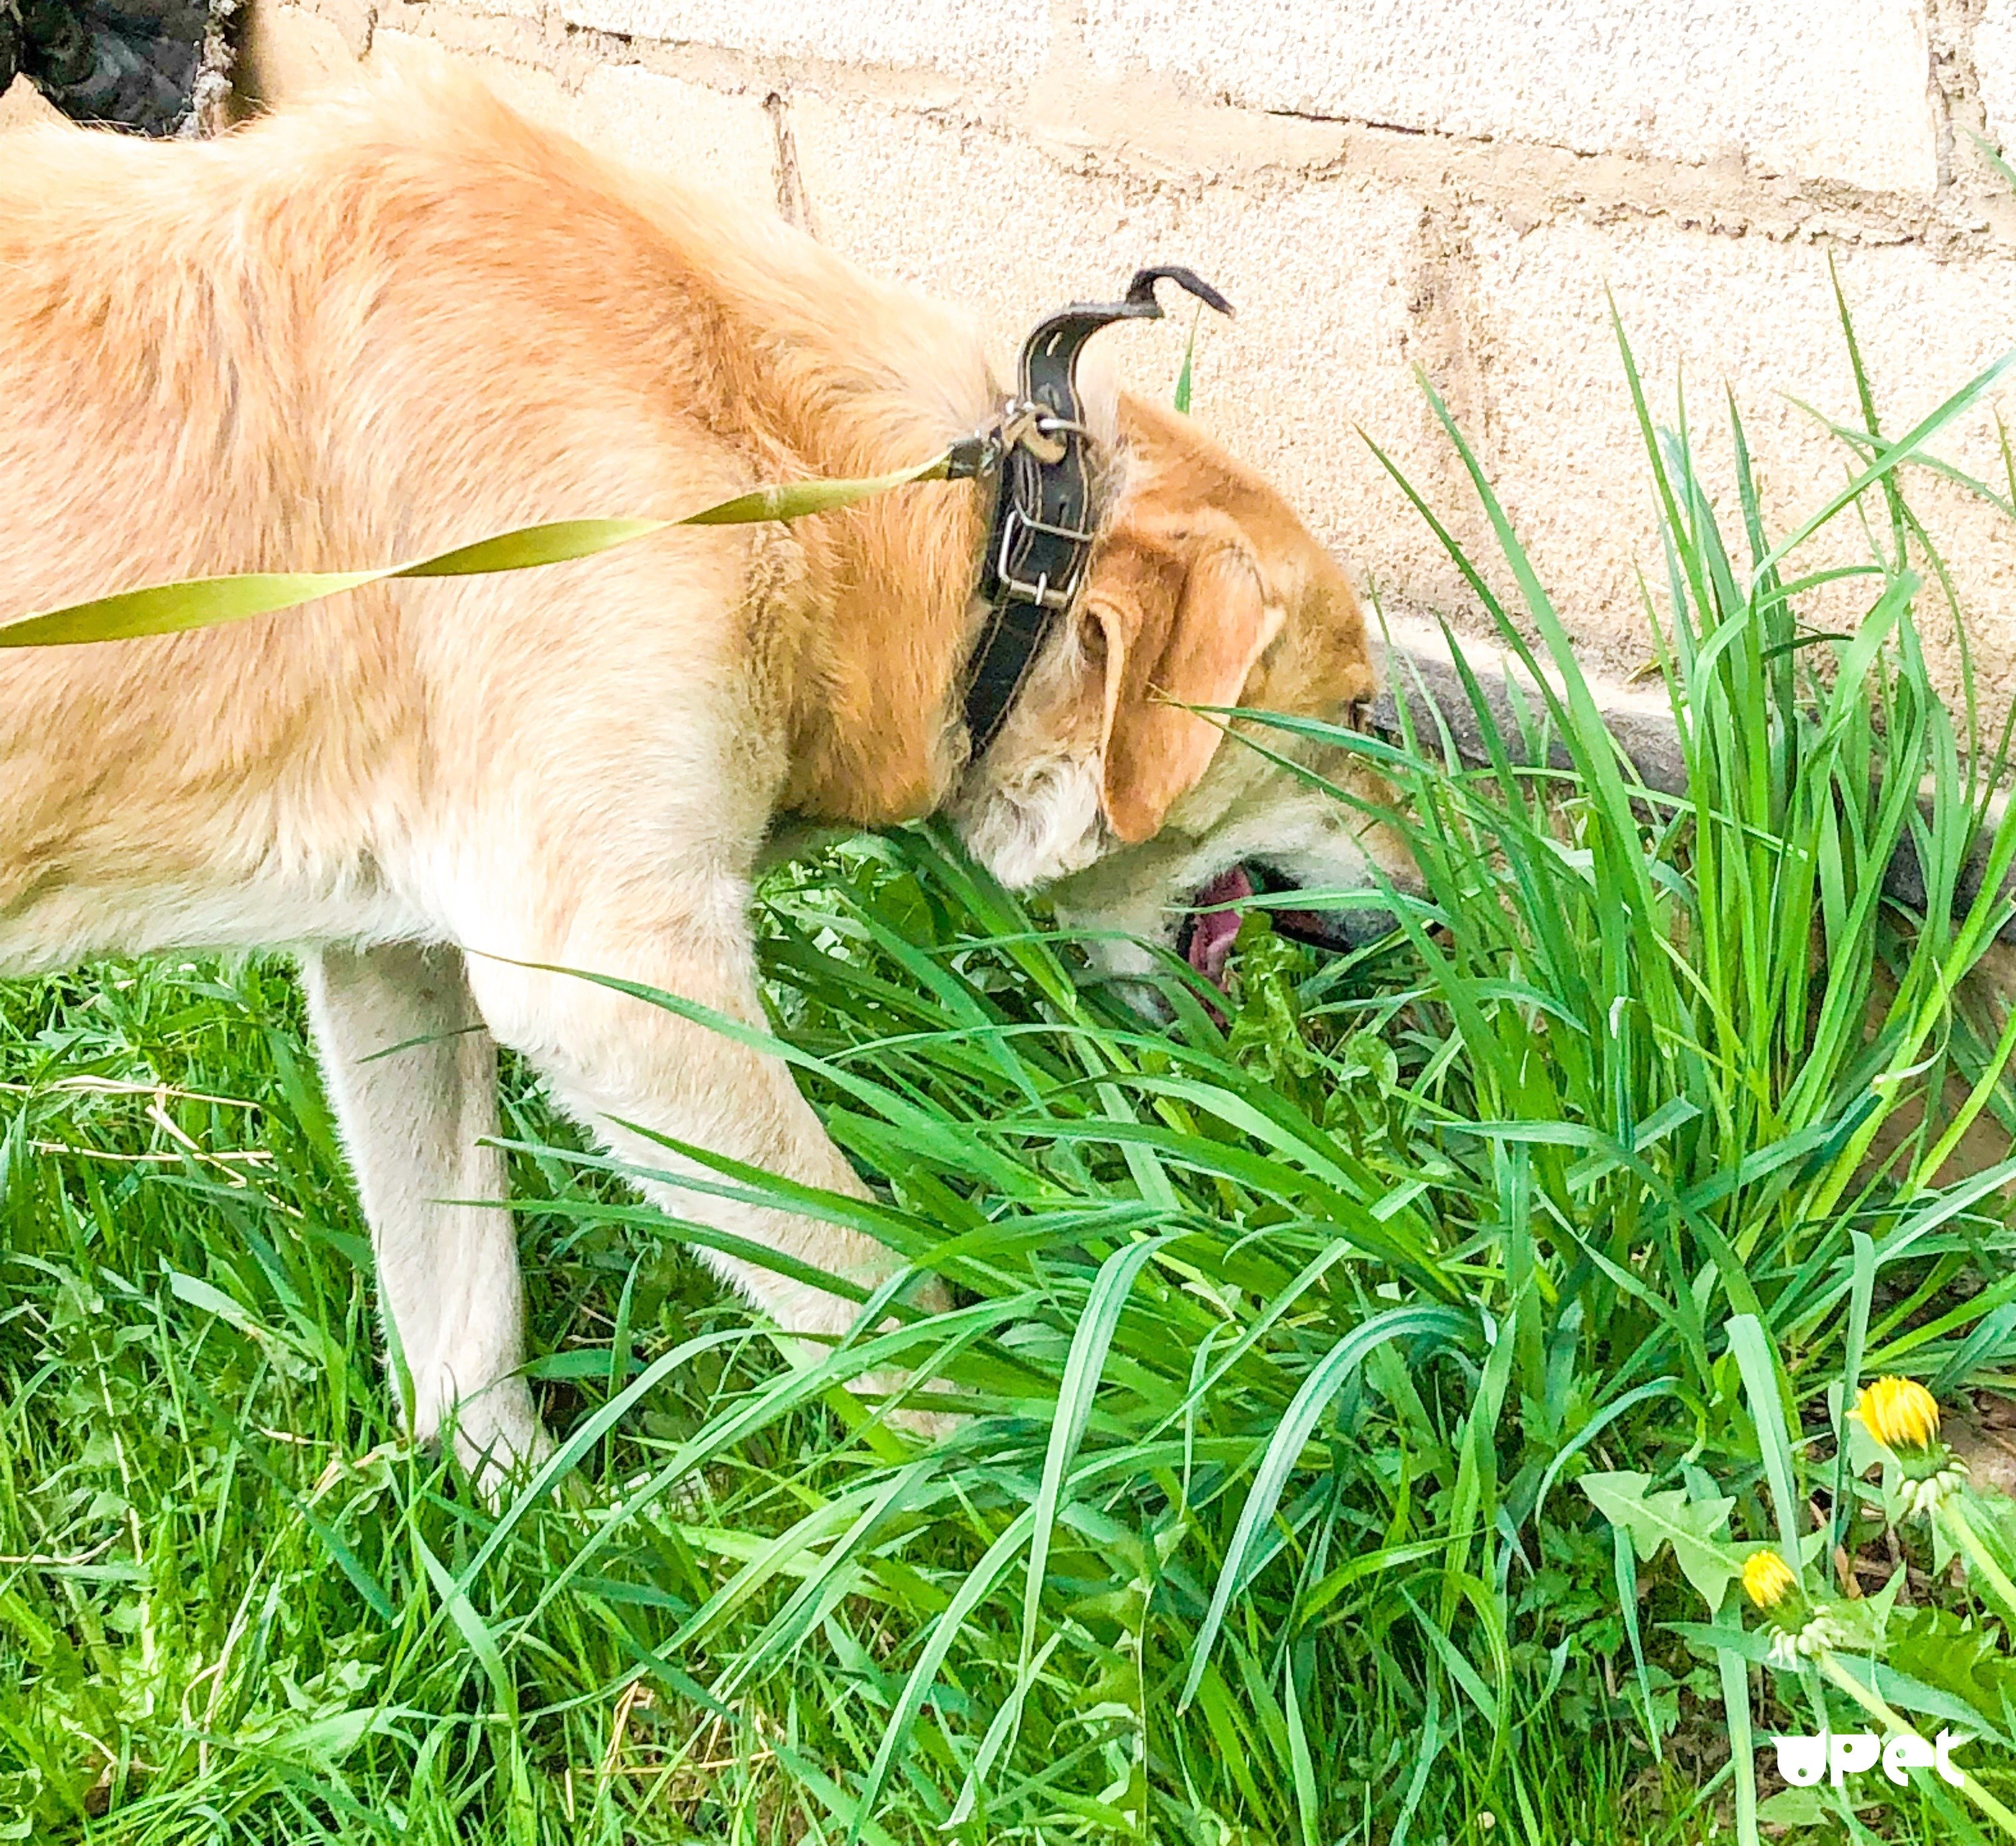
point(1900, 1412)
point(1767, 1579)
point(1798, 1630)
point(1904, 1416)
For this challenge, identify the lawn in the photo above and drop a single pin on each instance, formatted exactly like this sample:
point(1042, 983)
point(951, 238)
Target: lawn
point(1376, 1392)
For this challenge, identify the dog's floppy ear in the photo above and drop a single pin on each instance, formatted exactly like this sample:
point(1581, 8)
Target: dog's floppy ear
point(1189, 636)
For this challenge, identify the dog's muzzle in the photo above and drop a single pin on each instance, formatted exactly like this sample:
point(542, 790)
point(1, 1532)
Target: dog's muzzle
point(1210, 926)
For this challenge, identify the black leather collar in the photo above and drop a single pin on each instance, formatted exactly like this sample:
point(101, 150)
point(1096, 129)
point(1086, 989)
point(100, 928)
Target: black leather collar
point(1046, 515)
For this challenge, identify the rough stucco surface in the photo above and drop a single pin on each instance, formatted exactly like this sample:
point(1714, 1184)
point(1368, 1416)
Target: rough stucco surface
point(640, 114)
point(1759, 318)
point(1008, 38)
point(1491, 172)
point(1995, 63)
point(1831, 88)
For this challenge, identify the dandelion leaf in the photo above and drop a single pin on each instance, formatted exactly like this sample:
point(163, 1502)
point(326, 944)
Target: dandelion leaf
point(1691, 1526)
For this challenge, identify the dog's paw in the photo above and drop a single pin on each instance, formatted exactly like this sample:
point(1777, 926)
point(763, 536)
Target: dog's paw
point(914, 1416)
point(499, 1439)
point(927, 1425)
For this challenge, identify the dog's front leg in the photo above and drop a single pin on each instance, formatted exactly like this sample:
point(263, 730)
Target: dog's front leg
point(412, 1072)
point(612, 1061)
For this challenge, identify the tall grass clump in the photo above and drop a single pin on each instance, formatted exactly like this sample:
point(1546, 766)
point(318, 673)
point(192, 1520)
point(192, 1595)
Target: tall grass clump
point(1709, 1073)
point(1370, 1380)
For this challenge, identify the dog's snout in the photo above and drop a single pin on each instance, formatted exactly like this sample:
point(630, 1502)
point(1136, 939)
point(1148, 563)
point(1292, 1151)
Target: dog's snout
point(1362, 928)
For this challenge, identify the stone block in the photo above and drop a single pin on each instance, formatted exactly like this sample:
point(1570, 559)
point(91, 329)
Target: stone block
point(707, 138)
point(1757, 319)
point(520, 10)
point(1004, 40)
point(291, 52)
point(535, 93)
point(356, 19)
point(1831, 89)
point(1995, 66)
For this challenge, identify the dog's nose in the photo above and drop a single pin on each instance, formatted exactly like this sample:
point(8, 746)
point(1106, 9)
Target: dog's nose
point(1361, 927)
point(1339, 930)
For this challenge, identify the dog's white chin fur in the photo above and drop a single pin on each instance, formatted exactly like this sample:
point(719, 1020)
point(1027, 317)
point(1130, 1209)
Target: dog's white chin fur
point(1042, 824)
point(1029, 809)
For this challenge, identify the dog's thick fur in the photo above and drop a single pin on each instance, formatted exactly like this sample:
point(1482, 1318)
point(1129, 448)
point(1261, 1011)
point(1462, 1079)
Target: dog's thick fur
point(406, 319)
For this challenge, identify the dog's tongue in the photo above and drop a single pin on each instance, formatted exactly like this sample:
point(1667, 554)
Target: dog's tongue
point(1212, 932)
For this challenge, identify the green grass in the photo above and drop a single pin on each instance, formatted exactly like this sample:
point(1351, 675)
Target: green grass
point(1287, 1343)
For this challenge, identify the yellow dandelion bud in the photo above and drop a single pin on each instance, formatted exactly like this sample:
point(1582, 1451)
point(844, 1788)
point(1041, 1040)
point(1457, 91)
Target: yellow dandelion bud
point(1900, 1412)
point(1767, 1579)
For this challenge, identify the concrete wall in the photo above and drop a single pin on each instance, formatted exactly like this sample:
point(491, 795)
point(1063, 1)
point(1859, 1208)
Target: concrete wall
point(1379, 185)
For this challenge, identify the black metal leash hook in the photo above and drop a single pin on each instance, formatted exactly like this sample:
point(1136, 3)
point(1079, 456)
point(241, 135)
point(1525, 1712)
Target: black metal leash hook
point(1143, 287)
point(1049, 355)
point(1049, 363)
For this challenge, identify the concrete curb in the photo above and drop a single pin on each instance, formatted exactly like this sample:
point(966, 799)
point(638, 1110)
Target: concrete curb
point(1421, 674)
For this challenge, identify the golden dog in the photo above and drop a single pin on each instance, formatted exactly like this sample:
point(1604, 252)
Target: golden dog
point(405, 318)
